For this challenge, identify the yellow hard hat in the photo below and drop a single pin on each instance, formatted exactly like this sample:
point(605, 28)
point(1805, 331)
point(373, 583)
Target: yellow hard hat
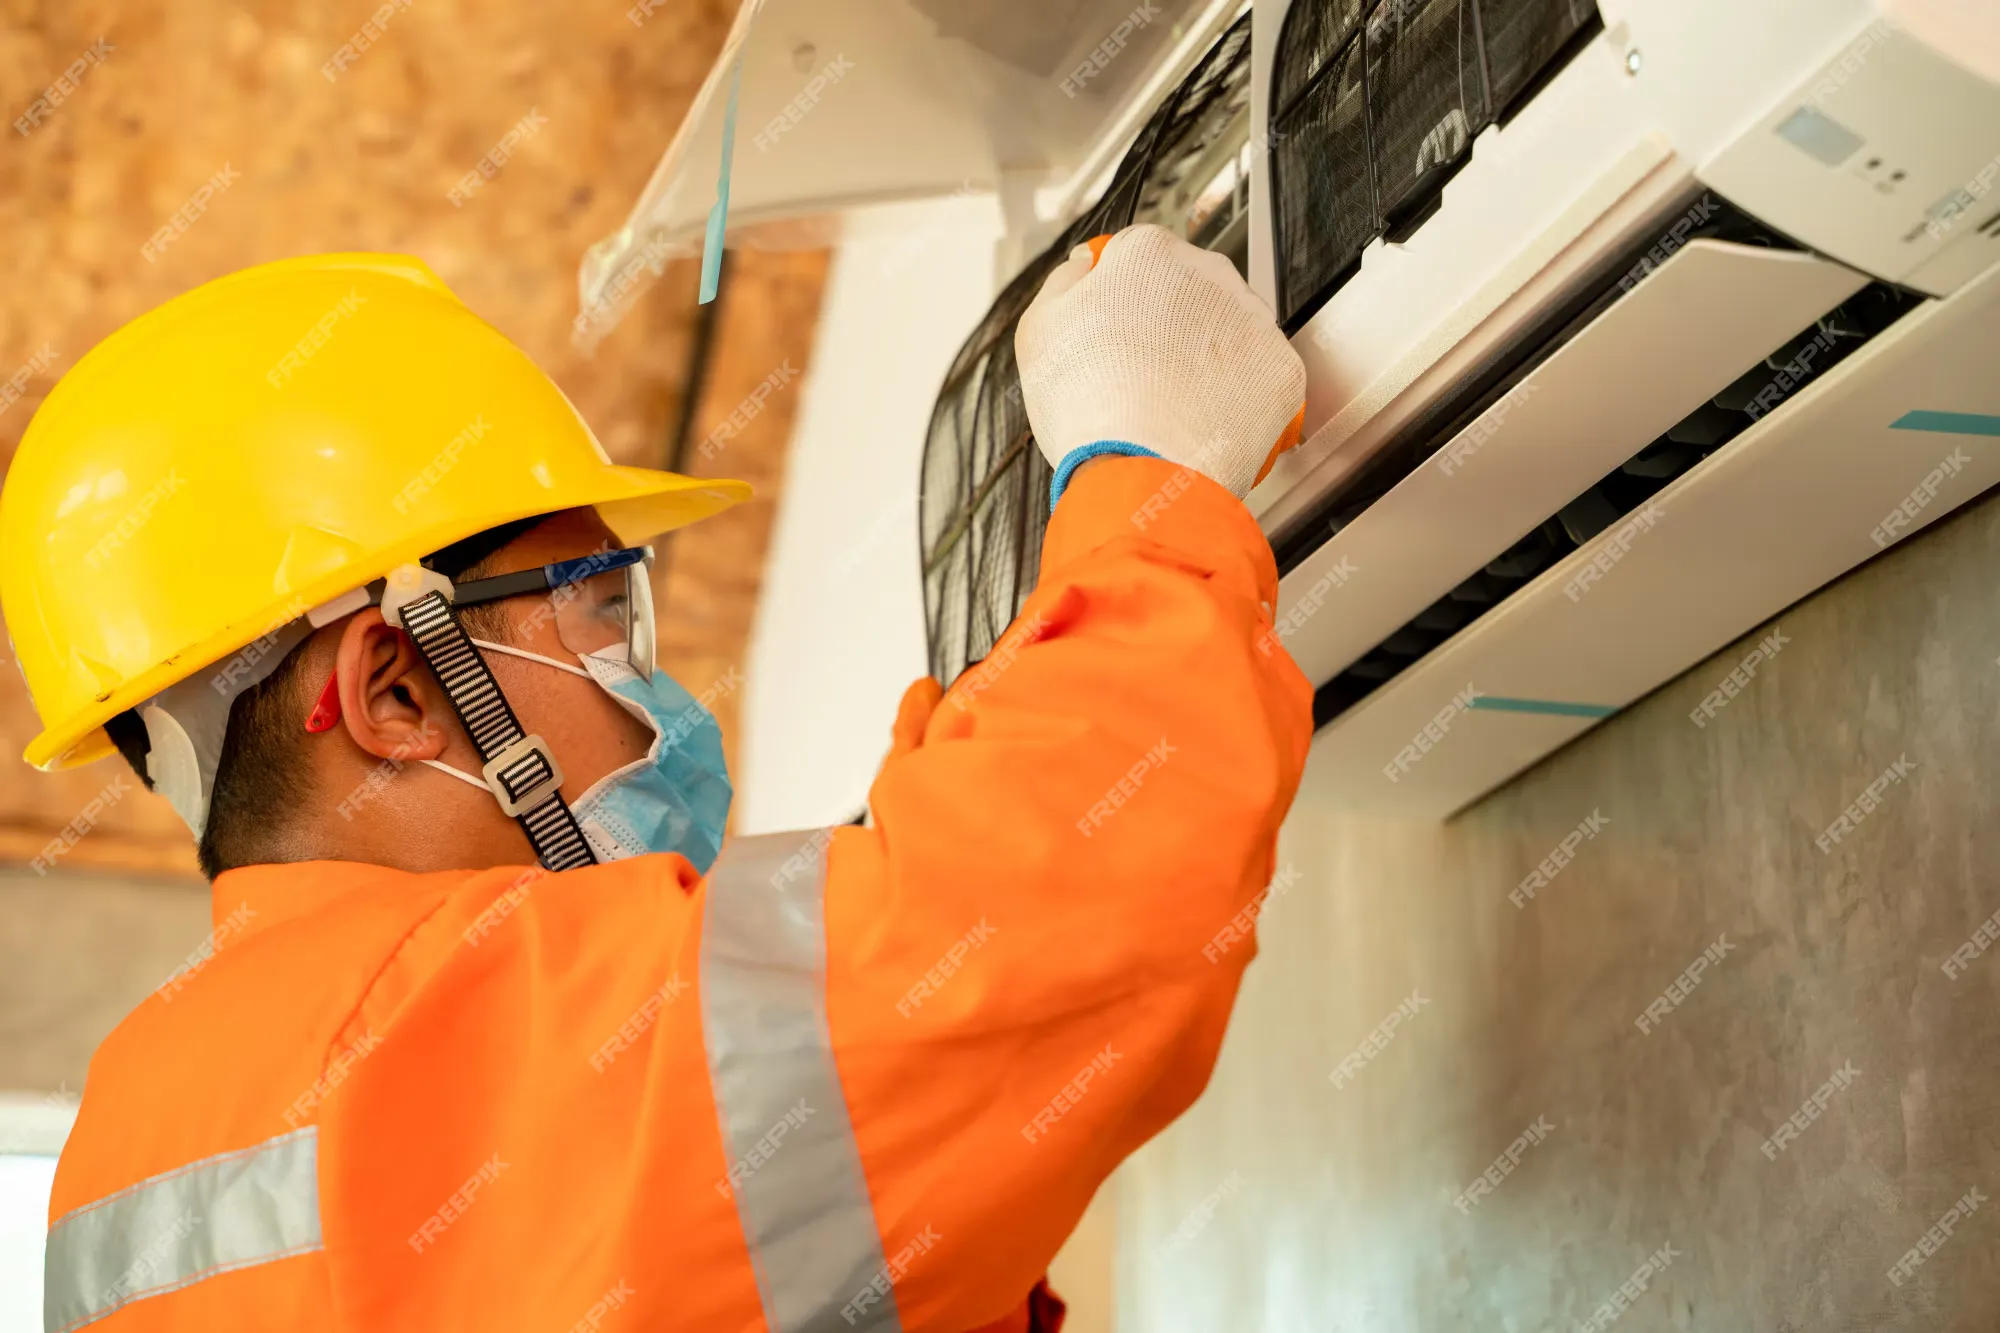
point(259, 447)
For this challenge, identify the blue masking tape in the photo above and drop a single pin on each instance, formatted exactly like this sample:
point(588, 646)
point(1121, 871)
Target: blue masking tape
point(1948, 423)
point(718, 216)
point(1553, 707)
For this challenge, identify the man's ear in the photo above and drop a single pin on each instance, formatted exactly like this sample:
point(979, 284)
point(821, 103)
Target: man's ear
point(391, 704)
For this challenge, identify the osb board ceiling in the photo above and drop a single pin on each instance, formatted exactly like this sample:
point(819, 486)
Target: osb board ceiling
point(176, 91)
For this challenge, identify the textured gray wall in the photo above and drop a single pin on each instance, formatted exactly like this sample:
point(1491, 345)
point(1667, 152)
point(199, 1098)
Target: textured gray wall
point(77, 952)
point(1332, 1208)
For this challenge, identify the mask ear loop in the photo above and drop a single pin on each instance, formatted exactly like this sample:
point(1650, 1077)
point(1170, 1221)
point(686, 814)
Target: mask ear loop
point(533, 657)
point(461, 774)
point(448, 770)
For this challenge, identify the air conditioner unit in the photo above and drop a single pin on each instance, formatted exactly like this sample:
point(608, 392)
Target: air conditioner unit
point(1627, 323)
point(1627, 326)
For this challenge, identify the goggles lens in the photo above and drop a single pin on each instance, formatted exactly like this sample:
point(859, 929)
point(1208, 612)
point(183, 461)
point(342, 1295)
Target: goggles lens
point(607, 611)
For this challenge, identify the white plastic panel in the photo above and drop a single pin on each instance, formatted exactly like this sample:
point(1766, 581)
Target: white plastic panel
point(1974, 247)
point(1968, 31)
point(1710, 69)
point(1690, 328)
point(1265, 19)
point(1785, 508)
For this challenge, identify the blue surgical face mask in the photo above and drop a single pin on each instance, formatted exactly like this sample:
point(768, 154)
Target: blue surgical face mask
point(675, 798)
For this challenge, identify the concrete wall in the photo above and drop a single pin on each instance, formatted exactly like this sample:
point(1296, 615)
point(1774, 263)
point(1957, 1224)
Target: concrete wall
point(1286, 1202)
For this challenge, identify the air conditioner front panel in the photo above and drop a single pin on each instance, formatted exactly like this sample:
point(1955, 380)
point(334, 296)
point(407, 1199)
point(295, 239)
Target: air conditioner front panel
point(1709, 69)
point(1880, 159)
point(1973, 248)
point(1679, 336)
point(1806, 494)
point(1531, 188)
point(1703, 84)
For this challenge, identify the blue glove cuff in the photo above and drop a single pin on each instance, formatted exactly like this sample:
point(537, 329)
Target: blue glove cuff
point(1076, 458)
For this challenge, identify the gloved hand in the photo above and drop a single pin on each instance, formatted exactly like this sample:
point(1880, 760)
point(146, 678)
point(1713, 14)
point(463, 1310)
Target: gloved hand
point(1159, 349)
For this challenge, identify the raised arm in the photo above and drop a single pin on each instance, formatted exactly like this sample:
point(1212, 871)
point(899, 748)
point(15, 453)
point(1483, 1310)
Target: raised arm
point(1021, 985)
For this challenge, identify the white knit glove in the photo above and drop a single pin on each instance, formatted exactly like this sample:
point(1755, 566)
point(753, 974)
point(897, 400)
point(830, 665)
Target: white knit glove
point(1161, 346)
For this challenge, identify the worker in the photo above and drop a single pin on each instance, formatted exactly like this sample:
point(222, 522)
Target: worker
point(493, 1030)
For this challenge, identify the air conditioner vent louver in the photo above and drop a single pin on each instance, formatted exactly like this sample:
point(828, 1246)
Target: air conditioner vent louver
point(1711, 426)
point(1760, 390)
point(1607, 281)
point(1506, 575)
point(1370, 119)
point(983, 495)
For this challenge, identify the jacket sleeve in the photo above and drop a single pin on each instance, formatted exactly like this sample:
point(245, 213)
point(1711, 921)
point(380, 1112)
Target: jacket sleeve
point(1033, 951)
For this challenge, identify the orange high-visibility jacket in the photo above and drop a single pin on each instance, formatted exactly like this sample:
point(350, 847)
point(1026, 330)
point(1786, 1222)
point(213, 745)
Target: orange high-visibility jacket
point(864, 1078)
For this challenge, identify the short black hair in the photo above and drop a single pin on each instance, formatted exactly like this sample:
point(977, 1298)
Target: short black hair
point(259, 781)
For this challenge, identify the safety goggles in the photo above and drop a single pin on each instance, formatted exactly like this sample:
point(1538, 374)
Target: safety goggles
point(599, 603)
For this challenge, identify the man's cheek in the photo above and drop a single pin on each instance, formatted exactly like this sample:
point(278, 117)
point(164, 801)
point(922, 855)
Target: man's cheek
point(591, 734)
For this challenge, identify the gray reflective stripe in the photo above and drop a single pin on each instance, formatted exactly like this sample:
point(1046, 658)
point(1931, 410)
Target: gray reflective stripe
point(794, 1169)
point(211, 1216)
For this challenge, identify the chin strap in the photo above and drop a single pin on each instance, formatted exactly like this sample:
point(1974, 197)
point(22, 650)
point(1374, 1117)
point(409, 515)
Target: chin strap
point(520, 771)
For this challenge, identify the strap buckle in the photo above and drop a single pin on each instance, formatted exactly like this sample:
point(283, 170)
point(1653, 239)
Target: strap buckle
point(406, 584)
point(523, 775)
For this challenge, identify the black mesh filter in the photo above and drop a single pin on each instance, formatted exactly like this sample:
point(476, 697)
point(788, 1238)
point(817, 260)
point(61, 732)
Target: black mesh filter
point(1201, 130)
point(983, 500)
point(1322, 185)
point(1523, 36)
point(1314, 33)
point(1370, 117)
point(1426, 97)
